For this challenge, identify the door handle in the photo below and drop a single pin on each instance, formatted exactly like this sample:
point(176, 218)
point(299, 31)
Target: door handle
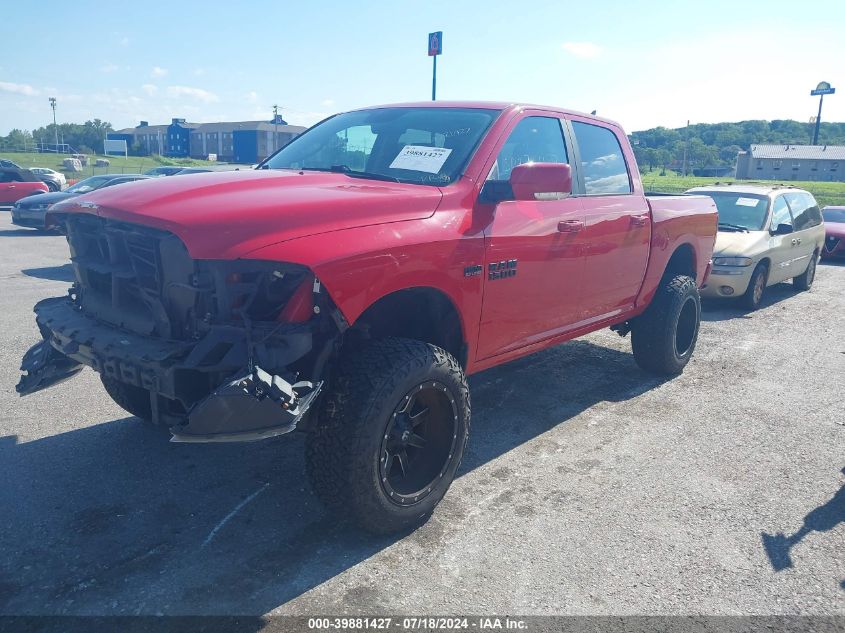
point(570, 226)
point(11, 186)
point(639, 220)
point(794, 241)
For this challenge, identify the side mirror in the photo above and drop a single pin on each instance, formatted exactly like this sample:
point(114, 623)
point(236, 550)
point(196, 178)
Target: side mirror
point(541, 181)
point(783, 229)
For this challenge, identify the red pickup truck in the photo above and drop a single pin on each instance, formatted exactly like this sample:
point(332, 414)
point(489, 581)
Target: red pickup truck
point(347, 286)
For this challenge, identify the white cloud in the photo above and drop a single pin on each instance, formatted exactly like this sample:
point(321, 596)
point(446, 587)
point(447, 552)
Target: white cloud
point(194, 93)
point(252, 97)
point(582, 49)
point(109, 68)
point(21, 89)
point(158, 71)
point(150, 89)
point(199, 72)
point(124, 41)
point(327, 102)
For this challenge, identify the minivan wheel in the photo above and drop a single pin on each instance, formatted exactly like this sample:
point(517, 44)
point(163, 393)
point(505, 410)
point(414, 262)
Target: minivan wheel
point(805, 279)
point(390, 434)
point(664, 336)
point(753, 297)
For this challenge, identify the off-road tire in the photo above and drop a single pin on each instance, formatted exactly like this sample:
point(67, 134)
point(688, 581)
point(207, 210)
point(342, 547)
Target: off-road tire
point(663, 337)
point(134, 400)
point(805, 280)
point(752, 300)
point(344, 447)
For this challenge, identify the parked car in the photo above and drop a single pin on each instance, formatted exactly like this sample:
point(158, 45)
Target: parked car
point(768, 234)
point(192, 170)
point(7, 164)
point(360, 282)
point(834, 227)
point(31, 212)
point(55, 180)
point(157, 172)
point(18, 183)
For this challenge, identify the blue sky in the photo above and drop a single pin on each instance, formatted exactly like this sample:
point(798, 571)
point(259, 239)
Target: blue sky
point(641, 63)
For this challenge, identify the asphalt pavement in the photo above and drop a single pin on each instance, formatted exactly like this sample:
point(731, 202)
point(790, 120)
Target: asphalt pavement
point(589, 487)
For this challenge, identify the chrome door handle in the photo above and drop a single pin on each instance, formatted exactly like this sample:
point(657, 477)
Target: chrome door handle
point(639, 220)
point(794, 241)
point(570, 226)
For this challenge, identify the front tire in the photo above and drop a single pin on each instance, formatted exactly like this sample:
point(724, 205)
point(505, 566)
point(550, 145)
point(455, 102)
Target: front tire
point(390, 434)
point(130, 398)
point(753, 297)
point(805, 279)
point(664, 336)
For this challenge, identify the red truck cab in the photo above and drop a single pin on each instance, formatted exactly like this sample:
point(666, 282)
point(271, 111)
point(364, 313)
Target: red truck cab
point(347, 286)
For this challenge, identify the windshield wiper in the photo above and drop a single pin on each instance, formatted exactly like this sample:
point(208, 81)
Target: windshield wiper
point(348, 171)
point(733, 227)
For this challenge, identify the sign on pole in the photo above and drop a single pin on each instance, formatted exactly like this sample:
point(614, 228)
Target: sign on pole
point(115, 146)
point(822, 89)
point(435, 48)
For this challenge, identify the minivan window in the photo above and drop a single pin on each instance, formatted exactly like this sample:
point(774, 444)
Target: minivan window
point(602, 162)
point(537, 139)
point(780, 213)
point(801, 205)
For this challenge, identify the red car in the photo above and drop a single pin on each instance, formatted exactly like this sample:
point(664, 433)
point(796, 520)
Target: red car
point(834, 229)
point(348, 286)
point(18, 183)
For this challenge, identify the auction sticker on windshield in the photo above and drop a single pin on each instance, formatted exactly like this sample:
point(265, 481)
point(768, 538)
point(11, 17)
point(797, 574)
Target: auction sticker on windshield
point(421, 158)
point(747, 202)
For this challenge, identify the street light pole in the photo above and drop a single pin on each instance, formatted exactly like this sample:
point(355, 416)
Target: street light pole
point(55, 127)
point(275, 128)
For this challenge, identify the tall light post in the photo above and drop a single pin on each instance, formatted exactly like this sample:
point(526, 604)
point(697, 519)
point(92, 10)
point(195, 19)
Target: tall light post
point(55, 127)
point(821, 90)
point(275, 127)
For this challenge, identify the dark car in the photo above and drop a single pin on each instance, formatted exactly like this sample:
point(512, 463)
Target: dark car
point(192, 170)
point(158, 172)
point(834, 230)
point(8, 164)
point(31, 211)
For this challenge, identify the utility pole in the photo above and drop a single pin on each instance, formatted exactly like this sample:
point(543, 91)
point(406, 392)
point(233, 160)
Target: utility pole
point(55, 127)
point(275, 128)
point(822, 89)
point(686, 148)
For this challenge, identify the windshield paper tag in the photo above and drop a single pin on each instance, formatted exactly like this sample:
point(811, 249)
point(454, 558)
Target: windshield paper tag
point(421, 158)
point(747, 202)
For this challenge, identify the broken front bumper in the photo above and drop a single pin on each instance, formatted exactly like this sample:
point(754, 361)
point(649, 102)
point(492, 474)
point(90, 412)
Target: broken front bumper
point(205, 390)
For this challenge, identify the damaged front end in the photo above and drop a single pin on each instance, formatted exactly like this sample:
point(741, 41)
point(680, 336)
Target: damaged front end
point(219, 346)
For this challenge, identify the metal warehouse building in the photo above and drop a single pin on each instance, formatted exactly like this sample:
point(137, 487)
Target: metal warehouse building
point(236, 141)
point(792, 162)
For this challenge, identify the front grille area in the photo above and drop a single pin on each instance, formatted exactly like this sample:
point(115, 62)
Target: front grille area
point(134, 277)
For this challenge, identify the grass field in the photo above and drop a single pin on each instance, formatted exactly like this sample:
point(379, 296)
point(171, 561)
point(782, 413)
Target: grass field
point(119, 164)
point(826, 193)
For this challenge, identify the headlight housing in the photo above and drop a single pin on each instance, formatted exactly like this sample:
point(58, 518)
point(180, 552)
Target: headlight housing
point(732, 261)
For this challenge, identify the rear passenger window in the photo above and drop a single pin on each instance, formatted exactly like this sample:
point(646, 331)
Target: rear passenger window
point(602, 162)
point(780, 213)
point(813, 212)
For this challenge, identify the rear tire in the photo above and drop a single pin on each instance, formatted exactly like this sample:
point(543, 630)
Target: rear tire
point(53, 186)
point(805, 280)
point(134, 400)
point(390, 434)
point(664, 336)
point(753, 297)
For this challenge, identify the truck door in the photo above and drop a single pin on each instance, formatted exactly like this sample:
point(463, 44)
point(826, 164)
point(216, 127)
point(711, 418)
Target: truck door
point(533, 261)
point(618, 223)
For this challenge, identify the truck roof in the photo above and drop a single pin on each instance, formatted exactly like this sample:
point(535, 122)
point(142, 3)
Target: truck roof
point(489, 105)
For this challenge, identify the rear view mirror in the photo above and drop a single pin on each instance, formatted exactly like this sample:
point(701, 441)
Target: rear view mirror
point(541, 181)
point(783, 229)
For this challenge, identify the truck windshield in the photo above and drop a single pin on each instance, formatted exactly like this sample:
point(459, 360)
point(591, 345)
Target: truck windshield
point(430, 146)
point(739, 211)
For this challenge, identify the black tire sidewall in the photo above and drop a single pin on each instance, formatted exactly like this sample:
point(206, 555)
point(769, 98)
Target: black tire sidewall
point(748, 299)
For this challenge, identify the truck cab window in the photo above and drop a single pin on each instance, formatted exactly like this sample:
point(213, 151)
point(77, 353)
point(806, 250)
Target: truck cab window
point(602, 161)
point(535, 139)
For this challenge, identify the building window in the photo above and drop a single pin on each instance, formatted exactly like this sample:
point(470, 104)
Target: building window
point(776, 164)
point(833, 165)
point(760, 164)
point(796, 165)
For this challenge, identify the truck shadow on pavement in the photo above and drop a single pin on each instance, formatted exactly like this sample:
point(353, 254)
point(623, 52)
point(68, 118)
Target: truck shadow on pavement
point(113, 519)
point(53, 273)
point(825, 518)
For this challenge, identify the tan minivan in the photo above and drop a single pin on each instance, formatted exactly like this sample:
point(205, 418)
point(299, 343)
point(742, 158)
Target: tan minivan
point(767, 234)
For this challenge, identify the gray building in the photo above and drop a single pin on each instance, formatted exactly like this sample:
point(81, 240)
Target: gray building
point(792, 162)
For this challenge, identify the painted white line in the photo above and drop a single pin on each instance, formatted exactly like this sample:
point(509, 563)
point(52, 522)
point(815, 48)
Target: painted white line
point(228, 517)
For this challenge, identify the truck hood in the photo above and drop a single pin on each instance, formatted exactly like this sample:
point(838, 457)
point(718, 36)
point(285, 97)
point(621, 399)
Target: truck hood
point(740, 244)
point(227, 215)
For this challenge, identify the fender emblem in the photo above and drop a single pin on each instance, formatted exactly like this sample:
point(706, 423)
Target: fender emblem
point(501, 270)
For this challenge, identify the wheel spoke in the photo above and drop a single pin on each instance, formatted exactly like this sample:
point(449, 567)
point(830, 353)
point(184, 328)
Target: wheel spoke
point(418, 417)
point(388, 464)
point(409, 404)
point(403, 462)
point(416, 440)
